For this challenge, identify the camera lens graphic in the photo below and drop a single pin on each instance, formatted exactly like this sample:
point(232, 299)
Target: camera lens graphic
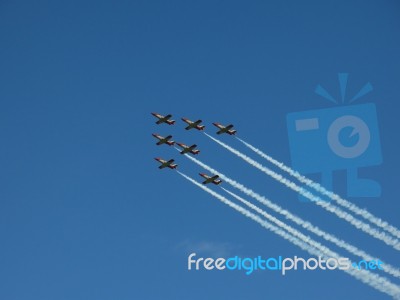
point(359, 127)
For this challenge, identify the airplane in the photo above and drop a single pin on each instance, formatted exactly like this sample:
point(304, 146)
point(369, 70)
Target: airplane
point(210, 179)
point(224, 129)
point(163, 119)
point(163, 140)
point(165, 164)
point(187, 149)
point(193, 124)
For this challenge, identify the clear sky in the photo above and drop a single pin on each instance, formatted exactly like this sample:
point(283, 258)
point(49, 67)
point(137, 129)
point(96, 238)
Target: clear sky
point(84, 211)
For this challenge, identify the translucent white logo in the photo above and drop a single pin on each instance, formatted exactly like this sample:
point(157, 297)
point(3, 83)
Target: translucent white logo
point(249, 265)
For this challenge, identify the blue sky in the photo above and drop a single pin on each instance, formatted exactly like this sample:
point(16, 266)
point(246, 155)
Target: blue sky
point(84, 211)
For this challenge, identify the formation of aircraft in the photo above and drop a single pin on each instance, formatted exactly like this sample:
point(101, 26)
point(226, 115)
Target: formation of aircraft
point(166, 164)
point(211, 179)
point(192, 124)
point(225, 129)
point(163, 140)
point(185, 148)
point(188, 149)
point(164, 119)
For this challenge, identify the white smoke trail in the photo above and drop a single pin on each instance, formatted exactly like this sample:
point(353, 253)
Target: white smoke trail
point(352, 249)
point(374, 280)
point(319, 188)
point(317, 200)
point(299, 221)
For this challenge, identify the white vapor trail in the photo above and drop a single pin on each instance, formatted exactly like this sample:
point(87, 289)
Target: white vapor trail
point(319, 188)
point(352, 249)
point(294, 218)
point(317, 200)
point(380, 283)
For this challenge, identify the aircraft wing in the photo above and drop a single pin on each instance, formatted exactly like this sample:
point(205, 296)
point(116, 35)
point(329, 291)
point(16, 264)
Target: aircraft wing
point(229, 126)
point(158, 136)
point(163, 119)
point(163, 163)
point(166, 164)
point(191, 124)
point(157, 115)
point(214, 177)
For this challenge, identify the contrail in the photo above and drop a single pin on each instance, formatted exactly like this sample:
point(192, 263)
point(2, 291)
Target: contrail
point(319, 188)
point(296, 219)
point(352, 249)
point(374, 280)
point(279, 223)
point(317, 200)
